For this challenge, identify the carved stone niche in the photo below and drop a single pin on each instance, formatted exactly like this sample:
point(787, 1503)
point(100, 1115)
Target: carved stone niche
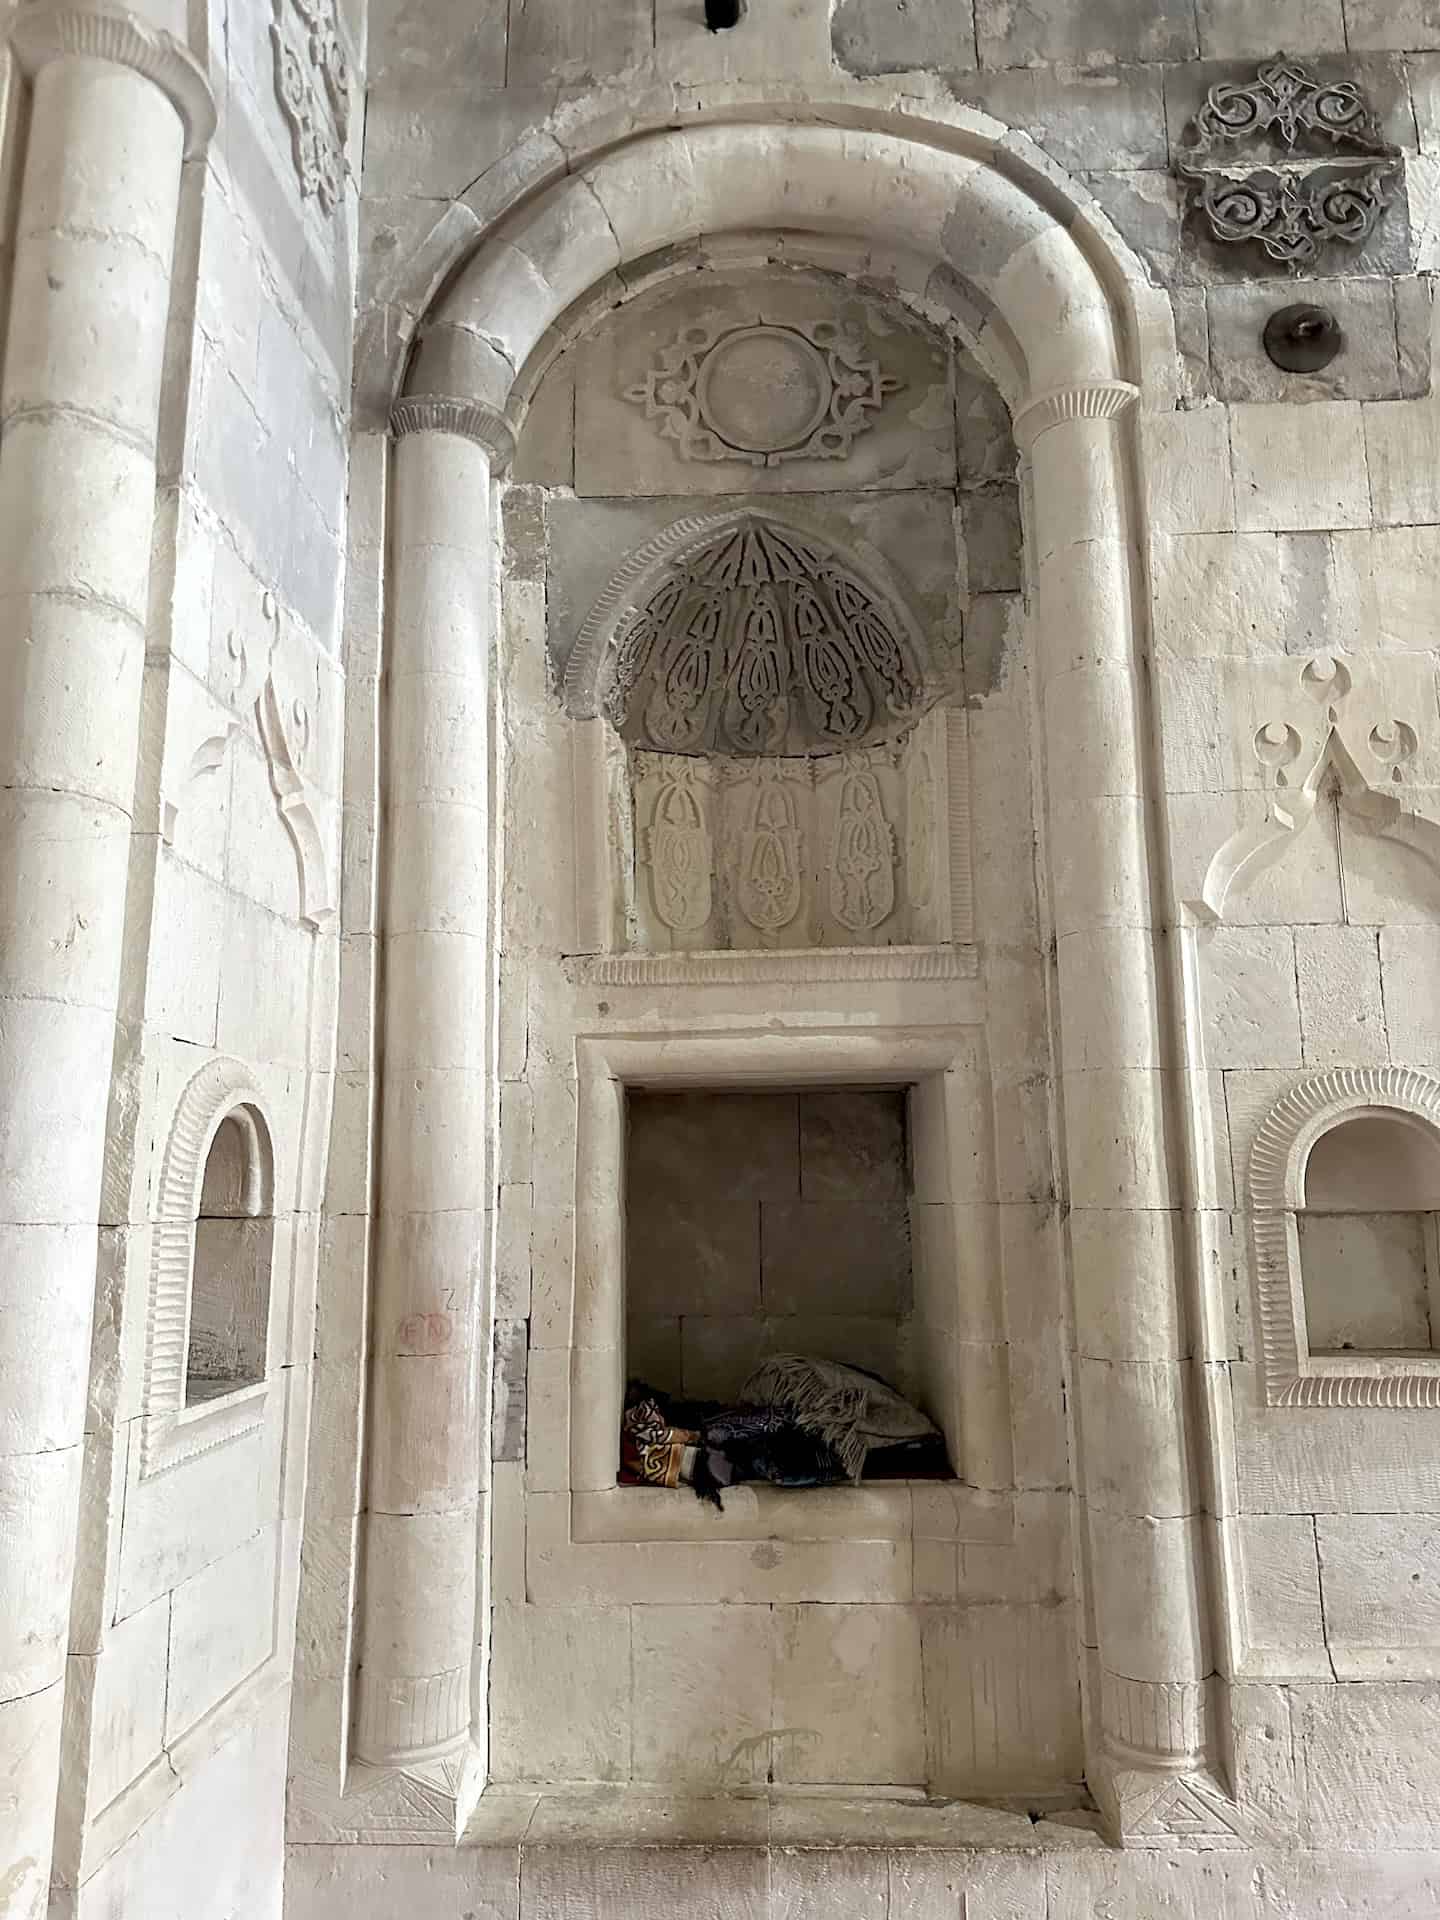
point(791, 776)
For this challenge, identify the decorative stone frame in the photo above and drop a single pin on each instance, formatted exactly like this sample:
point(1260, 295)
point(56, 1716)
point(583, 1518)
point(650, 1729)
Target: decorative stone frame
point(173, 1432)
point(1292, 1375)
point(756, 1056)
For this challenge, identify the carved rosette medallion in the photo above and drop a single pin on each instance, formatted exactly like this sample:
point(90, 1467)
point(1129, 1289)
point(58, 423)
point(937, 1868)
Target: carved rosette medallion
point(862, 860)
point(678, 848)
point(769, 884)
point(761, 640)
point(764, 393)
point(312, 84)
point(1331, 176)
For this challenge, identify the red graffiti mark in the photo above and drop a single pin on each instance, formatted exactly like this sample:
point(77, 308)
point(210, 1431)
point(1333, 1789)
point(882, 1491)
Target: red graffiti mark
point(426, 1331)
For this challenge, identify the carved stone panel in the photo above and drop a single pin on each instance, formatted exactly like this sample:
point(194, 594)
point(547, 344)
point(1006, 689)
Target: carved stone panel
point(763, 394)
point(802, 851)
point(763, 381)
point(755, 638)
point(312, 85)
point(1326, 173)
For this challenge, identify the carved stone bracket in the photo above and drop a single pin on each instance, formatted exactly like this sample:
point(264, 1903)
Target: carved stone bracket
point(284, 748)
point(1330, 178)
point(470, 419)
point(1150, 1811)
point(764, 394)
point(1367, 753)
point(312, 84)
point(42, 34)
point(1097, 400)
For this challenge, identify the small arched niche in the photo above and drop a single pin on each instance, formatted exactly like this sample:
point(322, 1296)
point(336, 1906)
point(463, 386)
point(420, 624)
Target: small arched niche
point(1344, 1192)
point(229, 1308)
point(1367, 1236)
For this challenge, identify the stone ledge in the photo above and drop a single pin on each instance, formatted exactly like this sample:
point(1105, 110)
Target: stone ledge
point(762, 966)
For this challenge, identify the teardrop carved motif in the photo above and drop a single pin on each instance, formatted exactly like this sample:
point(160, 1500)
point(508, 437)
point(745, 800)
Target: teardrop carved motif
point(862, 863)
point(769, 887)
point(762, 640)
point(678, 847)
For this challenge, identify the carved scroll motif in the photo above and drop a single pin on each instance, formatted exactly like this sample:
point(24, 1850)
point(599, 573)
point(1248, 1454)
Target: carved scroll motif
point(312, 84)
point(761, 641)
point(769, 884)
point(763, 394)
point(862, 861)
point(1333, 176)
point(678, 849)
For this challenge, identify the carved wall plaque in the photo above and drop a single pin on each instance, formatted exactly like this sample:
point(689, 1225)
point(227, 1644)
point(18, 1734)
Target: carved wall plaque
point(770, 854)
point(312, 84)
point(678, 849)
point(764, 394)
point(762, 640)
point(862, 862)
point(1331, 177)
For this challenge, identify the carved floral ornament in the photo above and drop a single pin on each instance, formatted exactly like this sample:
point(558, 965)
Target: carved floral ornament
point(755, 638)
point(764, 393)
point(1331, 176)
point(1347, 736)
point(312, 84)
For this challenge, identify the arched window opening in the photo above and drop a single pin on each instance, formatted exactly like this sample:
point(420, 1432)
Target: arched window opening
point(230, 1274)
point(1369, 1261)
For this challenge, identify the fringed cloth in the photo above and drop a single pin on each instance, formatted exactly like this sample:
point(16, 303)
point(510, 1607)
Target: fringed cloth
point(851, 1412)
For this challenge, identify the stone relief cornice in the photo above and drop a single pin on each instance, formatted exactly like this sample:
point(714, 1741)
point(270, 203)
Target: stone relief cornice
point(469, 419)
point(1092, 400)
point(42, 34)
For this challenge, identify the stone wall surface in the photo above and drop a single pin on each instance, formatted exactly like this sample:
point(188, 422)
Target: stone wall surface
point(1114, 839)
point(220, 888)
point(1284, 621)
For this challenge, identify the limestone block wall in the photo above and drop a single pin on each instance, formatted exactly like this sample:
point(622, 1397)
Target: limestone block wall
point(959, 1585)
point(1285, 622)
point(766, 1223)
point(181, 1610)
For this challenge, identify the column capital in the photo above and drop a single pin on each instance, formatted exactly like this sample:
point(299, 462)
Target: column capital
point(470, 419)
point(1087, 400)
point(41, 33)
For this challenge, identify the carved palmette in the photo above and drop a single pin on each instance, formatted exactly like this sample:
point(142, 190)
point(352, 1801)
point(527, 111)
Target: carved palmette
point(678, 710)
point(678, 848)
point(862, 860)
point(769, 879)
point(757, 701)
point(760, 640)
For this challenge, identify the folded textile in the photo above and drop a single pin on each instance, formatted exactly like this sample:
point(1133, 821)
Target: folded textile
point(802, 1422)
point(853, 1413)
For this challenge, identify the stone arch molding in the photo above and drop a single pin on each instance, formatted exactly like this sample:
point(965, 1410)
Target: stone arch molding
point(1293, 1377)
point(171, 1433)
point(736, 571)
point(1051, 308)
point(1041, 287)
